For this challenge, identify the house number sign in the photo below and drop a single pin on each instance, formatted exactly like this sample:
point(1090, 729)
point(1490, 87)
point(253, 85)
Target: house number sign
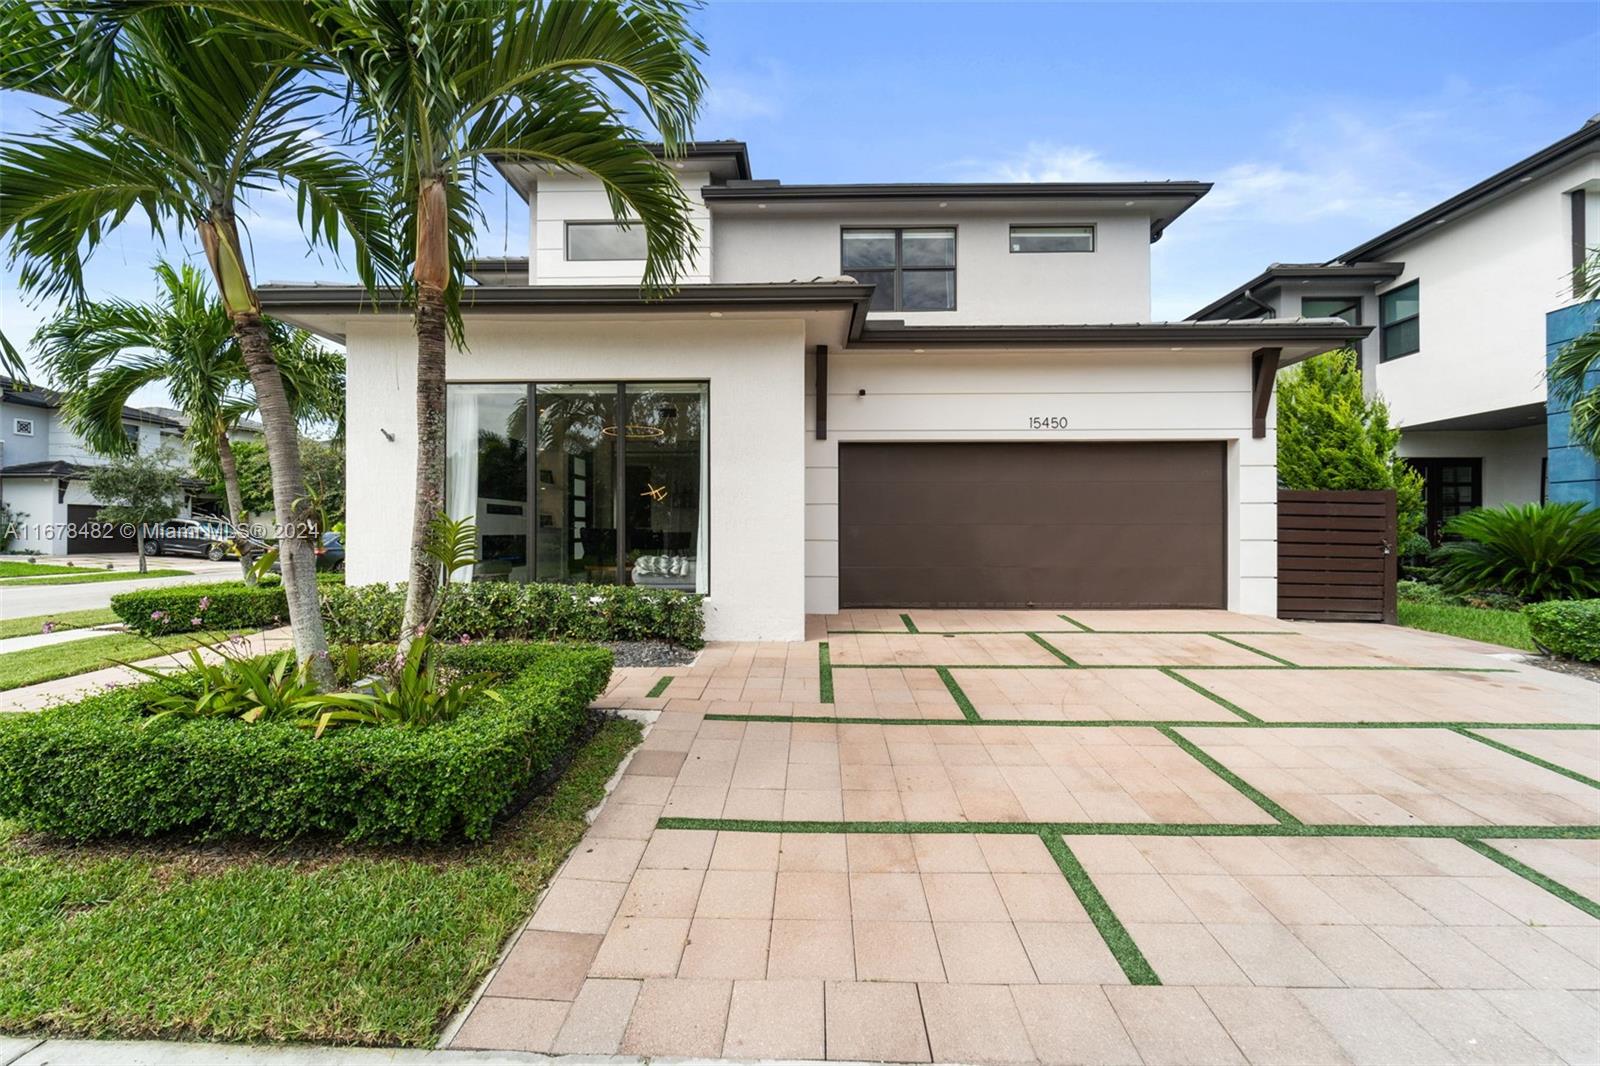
point(1047, 422)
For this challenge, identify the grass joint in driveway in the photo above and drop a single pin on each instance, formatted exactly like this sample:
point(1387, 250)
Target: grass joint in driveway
point(968, 711)
point(1524, 756)
point(1549, 884)
point(1053, 650)
point(1118, 941)
point(1227, 705)
point(659, 687)
point(824, 674)
point(1243, 787)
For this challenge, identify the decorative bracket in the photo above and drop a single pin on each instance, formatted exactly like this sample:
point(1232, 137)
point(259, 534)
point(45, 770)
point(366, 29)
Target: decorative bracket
point(1263, 370)
point(821, 357)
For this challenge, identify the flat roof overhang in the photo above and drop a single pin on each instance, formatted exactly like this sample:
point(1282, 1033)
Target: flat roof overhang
point(725, 160)
point(832, 311)
point(1164, 200)
point(1297, 338)
point(1276, 275)
point(1521, 416)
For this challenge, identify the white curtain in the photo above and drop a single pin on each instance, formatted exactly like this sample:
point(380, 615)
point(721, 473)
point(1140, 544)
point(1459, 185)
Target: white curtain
point(461, 458)
point(702, 537)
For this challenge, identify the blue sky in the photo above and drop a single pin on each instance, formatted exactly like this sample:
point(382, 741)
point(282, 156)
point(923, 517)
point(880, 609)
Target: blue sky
point(1321, 124)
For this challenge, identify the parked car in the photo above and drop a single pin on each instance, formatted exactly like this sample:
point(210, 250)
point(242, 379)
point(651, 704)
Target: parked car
point(192, 536)
point(329, 551)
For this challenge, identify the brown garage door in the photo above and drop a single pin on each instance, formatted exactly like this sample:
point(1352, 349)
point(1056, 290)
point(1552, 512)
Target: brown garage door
point(91, 536)
point(1048, 525)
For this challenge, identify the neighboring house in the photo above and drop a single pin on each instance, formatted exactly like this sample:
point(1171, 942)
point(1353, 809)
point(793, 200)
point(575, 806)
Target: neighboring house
point(1471, 297)
point(245, 430)
point(44, 471)
point(860, 396)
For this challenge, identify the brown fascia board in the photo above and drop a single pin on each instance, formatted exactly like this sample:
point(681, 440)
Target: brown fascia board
point(1262, 333)
point(1586, 138)
point(1279, 272)
point(1186, 191)
point(284, 300)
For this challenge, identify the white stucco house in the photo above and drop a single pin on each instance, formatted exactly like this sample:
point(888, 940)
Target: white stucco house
point(861, 395)
point(1470, 299)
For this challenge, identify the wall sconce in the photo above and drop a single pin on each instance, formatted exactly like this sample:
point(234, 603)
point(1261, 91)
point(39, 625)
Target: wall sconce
point(387, 435)
point(861, 392)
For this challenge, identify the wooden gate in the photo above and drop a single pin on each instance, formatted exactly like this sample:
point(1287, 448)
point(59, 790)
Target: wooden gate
point(1336, 555)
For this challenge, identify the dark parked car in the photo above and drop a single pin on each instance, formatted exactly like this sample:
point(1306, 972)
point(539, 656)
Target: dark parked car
point(190, 536)
point(330, 554)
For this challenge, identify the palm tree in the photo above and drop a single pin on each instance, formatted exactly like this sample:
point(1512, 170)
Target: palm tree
point(1572, 371)
point(99, 352)
point(174, 116)
point(448, 85)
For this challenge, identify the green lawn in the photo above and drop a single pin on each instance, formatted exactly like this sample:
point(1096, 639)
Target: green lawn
point(1507, 628)
point(46, 663)
point(315, 943)
point(81, 578)
point(25, 569)
point(24, 627)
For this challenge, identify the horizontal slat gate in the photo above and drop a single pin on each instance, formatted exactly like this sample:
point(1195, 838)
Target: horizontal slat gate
point(1336, 555)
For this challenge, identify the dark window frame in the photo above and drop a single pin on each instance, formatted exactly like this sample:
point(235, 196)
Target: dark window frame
point(619, 504)
point(566, 240)
point(1353, 301)
point(1431, 468)
point(900, 269)
point(1384, 354)
point(1094, 238)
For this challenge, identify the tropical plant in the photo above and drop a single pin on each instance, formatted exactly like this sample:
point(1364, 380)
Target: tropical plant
point(1568, 628)
point(414, 696)
point(1574, 373)
point(231, 684)
point(175, 115)
point(99, 352)
point(449, 85)
point(1331, 436)
point(136, 490)
point(1531, 551)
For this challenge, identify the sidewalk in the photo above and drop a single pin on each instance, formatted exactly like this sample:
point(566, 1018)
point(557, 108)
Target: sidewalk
point(61, 690)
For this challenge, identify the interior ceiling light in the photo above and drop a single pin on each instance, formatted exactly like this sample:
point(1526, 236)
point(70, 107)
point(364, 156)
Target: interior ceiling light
point(635, 432)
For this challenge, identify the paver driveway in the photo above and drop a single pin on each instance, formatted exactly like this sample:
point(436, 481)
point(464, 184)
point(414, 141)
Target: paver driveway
point(1112, 837)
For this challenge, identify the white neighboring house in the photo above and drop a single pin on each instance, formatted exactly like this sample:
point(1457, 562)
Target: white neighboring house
point(1471, 297)
point(44, 471)
point(860, 396)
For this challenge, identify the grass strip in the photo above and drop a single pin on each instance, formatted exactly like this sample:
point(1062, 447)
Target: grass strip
point(1065, 632)
point(911, 627)
point(65, 620)
point(1544, 881)
point(48, 662)
point(306, 941)
point(1149, 829)
point(1180, 666)
point(659, 687)
point(1227, 705)
point(1073, 621)
point(1509, 629)
point(1244, 788)
point(824, 674)
point(1123, 723)
point(10, 568)
point(90, 579)
point(1584, 779)
point(1257, 651)
point(1134, 965)
point(1053, 650)
point(969, 713)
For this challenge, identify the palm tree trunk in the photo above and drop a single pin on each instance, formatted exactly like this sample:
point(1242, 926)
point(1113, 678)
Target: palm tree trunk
point(138, 545)
point(432, 275)
point(230, 488)
point(289, 498)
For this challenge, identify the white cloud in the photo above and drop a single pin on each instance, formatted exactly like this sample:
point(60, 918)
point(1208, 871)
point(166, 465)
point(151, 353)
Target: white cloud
point(736, 98)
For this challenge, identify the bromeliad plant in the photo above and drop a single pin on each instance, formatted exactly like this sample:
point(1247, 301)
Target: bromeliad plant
point(416, 696)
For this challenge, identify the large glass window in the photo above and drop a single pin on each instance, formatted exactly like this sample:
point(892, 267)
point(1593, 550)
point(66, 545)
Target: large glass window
point(604, 240)
point(617, 481)
point(912, 269)
point(1347, 308)
point(1398, 312)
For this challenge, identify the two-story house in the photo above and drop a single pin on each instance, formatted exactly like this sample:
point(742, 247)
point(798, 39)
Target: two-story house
point(860, 395)
point(1470, 299)
point(45, 466)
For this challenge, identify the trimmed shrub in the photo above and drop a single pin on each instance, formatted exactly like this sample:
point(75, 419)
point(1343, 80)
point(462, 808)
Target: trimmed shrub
point(92, 770)
point(1532, 552)
point(502, 610)
point(224, 605)
point(1568, 628)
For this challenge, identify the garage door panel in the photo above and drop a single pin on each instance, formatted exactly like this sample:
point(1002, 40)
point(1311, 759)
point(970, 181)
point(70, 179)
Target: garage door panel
point(1049, 524)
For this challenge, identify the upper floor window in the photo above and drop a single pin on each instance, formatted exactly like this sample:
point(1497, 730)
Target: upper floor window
point(22, 427)
point(1347, 308)
point(132, 433)
point(913, 269)
point(589, 241)
point(1052, 238)
point(1397, 321)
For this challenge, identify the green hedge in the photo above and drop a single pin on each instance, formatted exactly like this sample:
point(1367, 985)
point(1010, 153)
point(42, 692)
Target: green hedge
point(223, 605)
point(90, 770)
point(1568, 628)
point(502, 610)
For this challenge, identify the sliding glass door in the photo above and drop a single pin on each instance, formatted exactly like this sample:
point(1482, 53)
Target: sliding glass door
point(617, 481)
